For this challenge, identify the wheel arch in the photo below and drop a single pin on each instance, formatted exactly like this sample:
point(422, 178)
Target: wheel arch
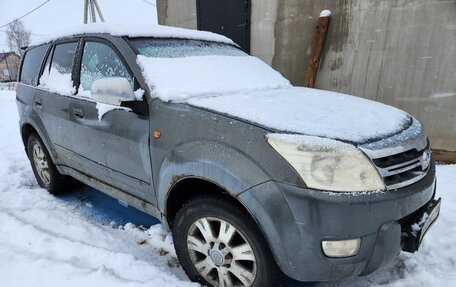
point(190, 187)
point(27, 129)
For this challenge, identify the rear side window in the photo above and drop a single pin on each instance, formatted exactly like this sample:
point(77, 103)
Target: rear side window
point(63, 57)
point(57, 74)
point(32, 64)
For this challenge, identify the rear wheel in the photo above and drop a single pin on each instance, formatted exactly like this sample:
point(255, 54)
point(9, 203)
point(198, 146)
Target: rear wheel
point(219, 244)
point(46, 173)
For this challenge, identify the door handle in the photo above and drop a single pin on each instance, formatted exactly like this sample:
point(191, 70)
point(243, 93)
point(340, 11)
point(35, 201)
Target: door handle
point(78, 113)
point(38, 102)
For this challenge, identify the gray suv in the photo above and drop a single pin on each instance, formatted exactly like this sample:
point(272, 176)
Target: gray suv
point(258, 180)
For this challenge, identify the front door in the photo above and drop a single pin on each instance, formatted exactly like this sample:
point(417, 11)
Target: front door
point(112, 141)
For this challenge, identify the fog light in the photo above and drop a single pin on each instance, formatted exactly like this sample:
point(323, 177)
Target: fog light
point(341, 248)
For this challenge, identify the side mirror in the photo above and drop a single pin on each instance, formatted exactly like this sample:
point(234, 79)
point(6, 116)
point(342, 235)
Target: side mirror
point(112, 91)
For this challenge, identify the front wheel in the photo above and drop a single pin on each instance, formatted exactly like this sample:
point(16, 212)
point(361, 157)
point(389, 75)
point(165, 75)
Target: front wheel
point(219, 244)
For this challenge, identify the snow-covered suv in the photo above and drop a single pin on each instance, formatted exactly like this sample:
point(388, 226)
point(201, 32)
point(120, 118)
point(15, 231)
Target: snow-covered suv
point(256, 178)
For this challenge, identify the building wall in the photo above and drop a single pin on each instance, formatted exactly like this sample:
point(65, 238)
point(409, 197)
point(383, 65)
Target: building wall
point(400, 52)
point(12, 67)
point(179, 13)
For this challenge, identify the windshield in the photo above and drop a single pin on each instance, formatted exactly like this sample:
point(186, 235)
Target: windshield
point(180, 69)
point(178, 48)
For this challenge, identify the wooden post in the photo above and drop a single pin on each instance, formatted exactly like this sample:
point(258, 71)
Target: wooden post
point(98, 10)
point(92, 10)
point(86, 7)
point(318, 42)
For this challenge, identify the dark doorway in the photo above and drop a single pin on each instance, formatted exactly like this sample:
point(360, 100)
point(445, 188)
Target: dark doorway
point(230, 18)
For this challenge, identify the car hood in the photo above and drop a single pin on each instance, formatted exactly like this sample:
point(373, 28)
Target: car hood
point(311, 112)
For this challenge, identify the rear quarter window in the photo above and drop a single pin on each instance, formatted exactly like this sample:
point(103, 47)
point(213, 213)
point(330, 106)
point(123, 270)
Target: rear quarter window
point(31, 66)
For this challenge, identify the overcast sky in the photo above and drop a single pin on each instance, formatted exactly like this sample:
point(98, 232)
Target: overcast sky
point(60, 14)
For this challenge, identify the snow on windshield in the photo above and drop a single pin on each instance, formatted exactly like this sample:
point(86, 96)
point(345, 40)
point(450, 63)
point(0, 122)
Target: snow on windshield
point(172, 48)
point(179, 79)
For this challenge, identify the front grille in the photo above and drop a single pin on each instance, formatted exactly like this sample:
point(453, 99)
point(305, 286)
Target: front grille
point(397, 159)
point(402, 169)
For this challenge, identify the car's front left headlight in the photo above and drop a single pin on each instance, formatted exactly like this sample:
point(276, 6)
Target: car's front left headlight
point(327, 164)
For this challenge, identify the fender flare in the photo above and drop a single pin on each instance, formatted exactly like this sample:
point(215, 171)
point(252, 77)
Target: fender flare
point(218, 163)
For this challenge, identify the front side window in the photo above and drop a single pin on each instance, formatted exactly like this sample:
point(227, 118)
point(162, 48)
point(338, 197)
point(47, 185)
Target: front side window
point(58, 70)
point(99, 61)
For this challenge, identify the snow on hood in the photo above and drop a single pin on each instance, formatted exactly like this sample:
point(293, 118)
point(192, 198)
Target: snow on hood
point(311, 112)
point(129, 30)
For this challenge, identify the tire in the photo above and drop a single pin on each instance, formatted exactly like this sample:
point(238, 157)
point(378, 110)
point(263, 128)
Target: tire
point(242, 259)
point(46, 173)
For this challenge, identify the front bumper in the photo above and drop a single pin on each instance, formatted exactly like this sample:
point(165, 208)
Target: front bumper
point(296, 220)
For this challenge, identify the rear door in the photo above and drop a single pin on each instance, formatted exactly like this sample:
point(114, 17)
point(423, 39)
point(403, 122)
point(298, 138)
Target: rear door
point(111, 143)
point(52, 97)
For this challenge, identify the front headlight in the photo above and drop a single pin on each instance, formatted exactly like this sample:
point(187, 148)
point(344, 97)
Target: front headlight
point(328, 164)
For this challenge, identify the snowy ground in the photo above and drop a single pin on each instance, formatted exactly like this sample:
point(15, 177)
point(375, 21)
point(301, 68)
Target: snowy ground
point(68, 241)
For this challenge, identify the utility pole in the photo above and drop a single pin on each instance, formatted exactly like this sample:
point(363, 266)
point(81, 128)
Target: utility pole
point(94, 8)
point(98, 10)
point(86, 7)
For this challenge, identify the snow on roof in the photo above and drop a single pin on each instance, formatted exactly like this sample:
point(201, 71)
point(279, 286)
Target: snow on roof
point(6, 54)
point(157, 31)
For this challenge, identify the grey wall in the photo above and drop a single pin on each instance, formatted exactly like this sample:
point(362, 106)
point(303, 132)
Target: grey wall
point(179, 13)
point(400, 52)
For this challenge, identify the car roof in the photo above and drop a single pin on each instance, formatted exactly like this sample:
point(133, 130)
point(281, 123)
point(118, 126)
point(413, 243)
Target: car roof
point(156, 31)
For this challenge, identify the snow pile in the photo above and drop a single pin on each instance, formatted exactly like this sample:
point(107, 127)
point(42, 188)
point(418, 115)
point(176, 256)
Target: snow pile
point(106, 108)
point(139, 94)
point(7, 86)
point(158, 31)
point(311, 112)
point(325, 13)
point(57, 82)
point(180, 79)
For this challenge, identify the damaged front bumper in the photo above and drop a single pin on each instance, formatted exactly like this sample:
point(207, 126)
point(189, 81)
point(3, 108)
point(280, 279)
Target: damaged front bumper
point(298, 223)
point(415, 226)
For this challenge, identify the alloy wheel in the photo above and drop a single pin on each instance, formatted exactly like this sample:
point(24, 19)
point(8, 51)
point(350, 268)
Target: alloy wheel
point(221, 253)
point(41, 164)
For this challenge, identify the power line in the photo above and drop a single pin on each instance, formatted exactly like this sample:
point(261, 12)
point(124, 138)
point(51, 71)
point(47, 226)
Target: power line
point(36, 8)
point(59, 14)
point(149, 3)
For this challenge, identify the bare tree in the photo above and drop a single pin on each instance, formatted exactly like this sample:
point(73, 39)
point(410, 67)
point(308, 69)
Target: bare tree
point(18, 36)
